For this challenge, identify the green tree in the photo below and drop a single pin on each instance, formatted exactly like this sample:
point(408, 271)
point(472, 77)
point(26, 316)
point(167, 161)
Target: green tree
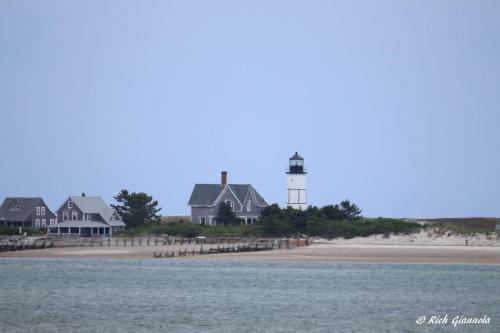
point(332, 212)
point(350, 210)
point(226, 216)
point(274, 221)
point(136, 208)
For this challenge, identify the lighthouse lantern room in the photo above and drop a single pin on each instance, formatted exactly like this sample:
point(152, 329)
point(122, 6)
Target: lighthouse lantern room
point(296, 183)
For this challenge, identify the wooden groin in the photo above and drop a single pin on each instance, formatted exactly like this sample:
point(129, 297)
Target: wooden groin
point(266, 245)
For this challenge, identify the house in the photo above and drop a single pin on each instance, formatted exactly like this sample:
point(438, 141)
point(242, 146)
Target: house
point(86, 216)
point(244, 200)
point(26, 212)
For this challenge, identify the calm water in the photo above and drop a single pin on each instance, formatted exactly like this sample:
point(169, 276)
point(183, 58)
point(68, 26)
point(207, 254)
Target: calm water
point(76, 295)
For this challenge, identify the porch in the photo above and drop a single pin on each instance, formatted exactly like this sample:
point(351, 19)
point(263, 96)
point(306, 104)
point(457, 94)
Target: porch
point(83, 229)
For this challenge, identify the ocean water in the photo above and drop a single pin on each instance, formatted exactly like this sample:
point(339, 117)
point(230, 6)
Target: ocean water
point(97, 295)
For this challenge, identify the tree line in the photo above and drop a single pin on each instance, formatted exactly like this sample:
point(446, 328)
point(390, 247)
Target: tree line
point(330, 221)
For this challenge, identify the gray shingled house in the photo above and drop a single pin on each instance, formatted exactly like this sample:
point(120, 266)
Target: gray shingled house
point(245, 201)
point(86, 216)
point(26, 212)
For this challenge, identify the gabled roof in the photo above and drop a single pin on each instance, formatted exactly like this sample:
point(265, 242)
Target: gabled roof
point(90, 205)
point(27, 206)
point(206, 194)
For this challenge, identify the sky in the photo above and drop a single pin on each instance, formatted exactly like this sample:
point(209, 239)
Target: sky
point(395, 105)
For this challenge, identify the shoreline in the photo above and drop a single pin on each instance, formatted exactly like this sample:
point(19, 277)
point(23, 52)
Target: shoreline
point(382, 253)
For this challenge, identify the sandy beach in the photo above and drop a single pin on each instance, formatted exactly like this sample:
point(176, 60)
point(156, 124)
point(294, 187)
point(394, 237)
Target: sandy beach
point(426, 246)
point(376, 253)
point(328, 252)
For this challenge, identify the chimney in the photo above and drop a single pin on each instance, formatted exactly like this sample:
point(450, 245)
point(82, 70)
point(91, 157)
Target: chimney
point(223, 178)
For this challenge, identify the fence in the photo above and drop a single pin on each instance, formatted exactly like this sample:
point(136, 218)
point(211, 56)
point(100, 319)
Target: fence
point(26, 244)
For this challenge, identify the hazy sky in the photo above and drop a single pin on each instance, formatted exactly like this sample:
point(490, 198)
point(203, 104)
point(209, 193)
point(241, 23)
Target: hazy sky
point(393, 104)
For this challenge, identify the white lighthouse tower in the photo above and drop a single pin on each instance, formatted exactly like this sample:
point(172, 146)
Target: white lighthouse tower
point(296, 183)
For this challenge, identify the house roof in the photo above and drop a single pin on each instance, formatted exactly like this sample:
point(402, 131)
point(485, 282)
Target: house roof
point(27, 206)
point(296, 156)
point(206, 194)
point(90, 205)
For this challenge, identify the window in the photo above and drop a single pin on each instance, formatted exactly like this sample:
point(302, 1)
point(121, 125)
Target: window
point(37, 223)
point(230, 204)
point(74, 215)
point(43, 210)
point(70, 204)
point(37, 210)
point(44, 222)
point(52, 222)
point(202, 220)
point(65, 215)
point(249, 205)
point(88, 217)
point(15, 207)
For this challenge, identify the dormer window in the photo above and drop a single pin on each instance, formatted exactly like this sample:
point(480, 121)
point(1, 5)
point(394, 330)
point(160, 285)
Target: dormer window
point(70, 204)
point(15, 207)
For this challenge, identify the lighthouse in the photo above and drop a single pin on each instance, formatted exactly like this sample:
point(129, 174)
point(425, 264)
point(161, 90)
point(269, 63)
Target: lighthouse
point(296, 183)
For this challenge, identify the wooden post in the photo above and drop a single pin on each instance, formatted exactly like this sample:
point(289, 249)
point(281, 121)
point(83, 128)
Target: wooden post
point(156, 241)
point(140, 241)
point(132, 241)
